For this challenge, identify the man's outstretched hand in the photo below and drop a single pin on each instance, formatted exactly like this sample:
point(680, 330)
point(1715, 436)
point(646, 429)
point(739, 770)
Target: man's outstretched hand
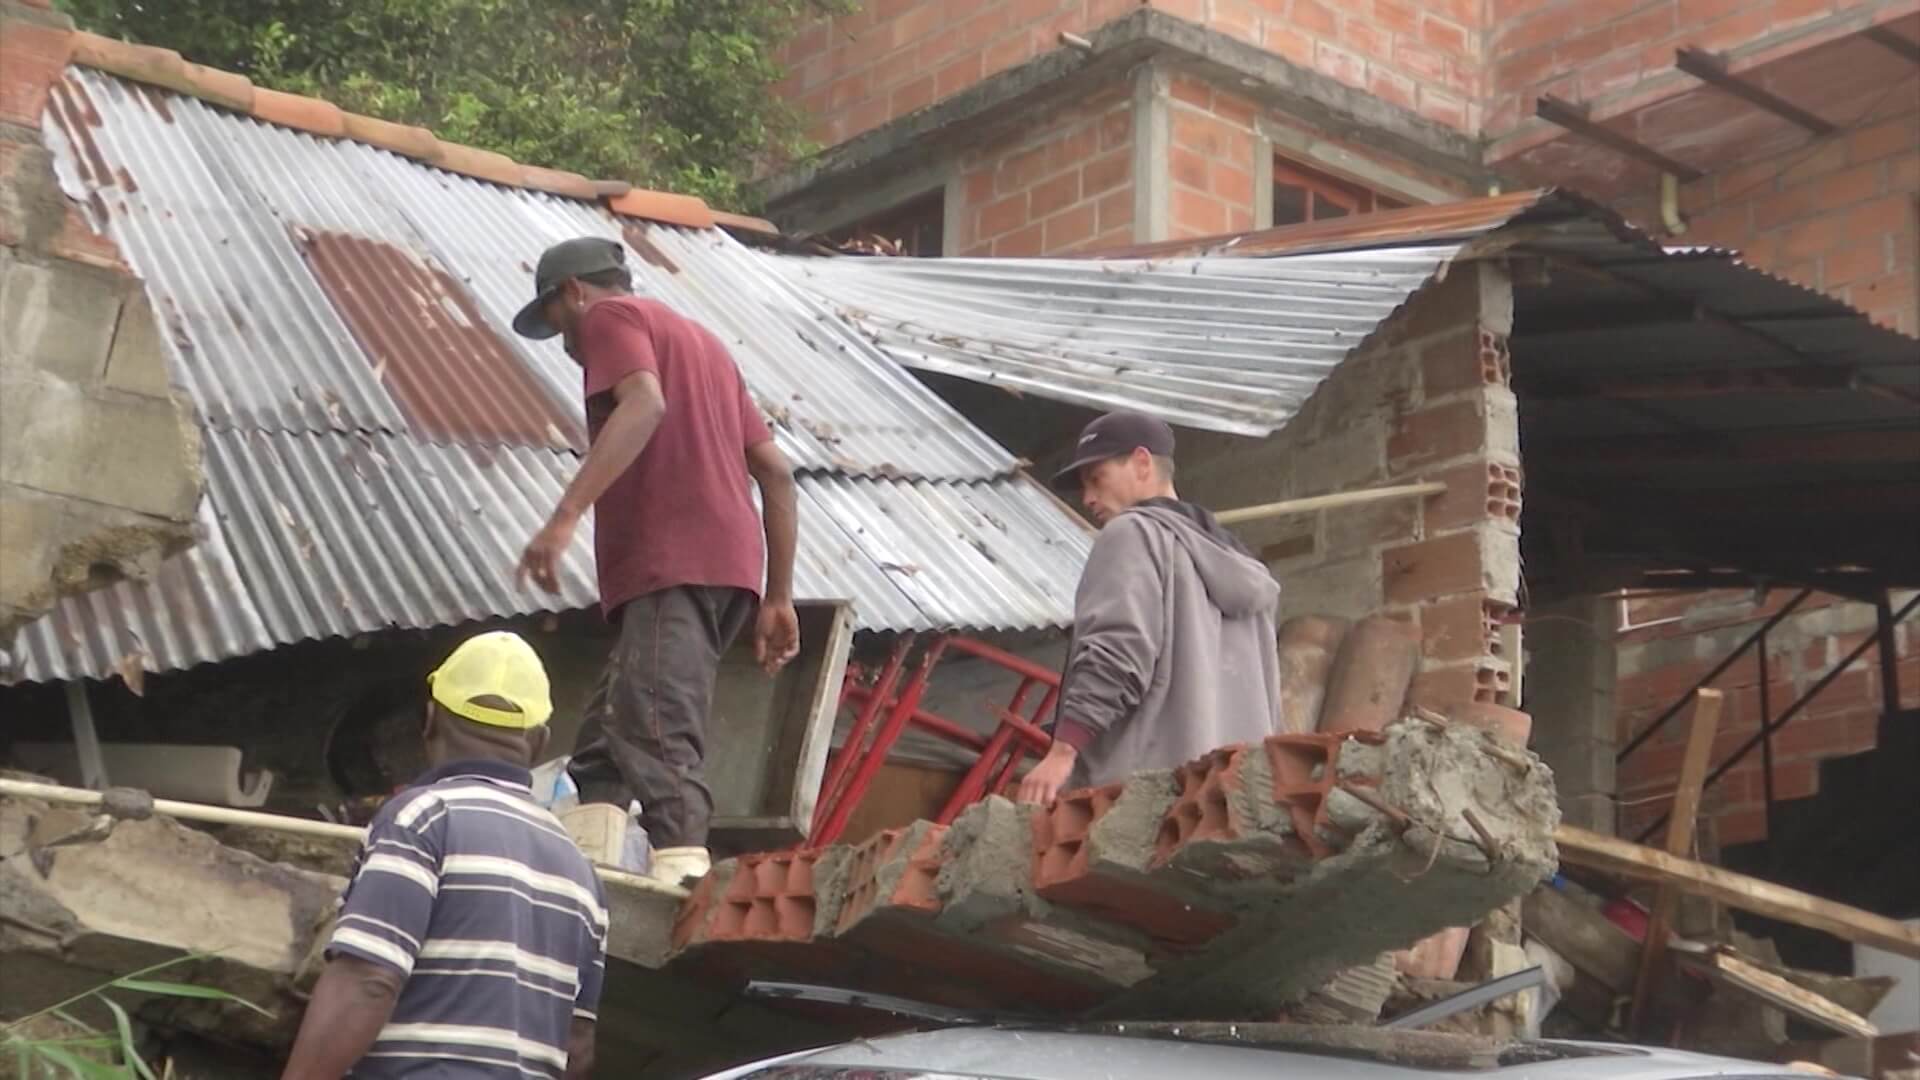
point(776, 635)
point(541, 560)
point(1043, 782)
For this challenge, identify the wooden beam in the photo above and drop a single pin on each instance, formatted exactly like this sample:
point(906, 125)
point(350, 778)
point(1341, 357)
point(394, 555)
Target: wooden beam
point(1702, 727)
point(1245, 514)
point(1887, 39)
point(1656, 386)
point(1713, 70)
point(1625, 859)
point(1726, 969)
point(1752, 447)
point(1576, 120)
point(1587, 939)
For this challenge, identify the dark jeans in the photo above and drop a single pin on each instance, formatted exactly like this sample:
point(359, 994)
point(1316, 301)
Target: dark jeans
point(644, 734)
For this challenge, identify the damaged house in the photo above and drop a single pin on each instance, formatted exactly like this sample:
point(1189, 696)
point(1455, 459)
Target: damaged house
point(1293, 260)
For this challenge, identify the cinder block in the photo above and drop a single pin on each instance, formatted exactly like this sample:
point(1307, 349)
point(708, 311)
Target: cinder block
point(58, 319)
point(138, 362)
point(138, 454)
point(31, 527)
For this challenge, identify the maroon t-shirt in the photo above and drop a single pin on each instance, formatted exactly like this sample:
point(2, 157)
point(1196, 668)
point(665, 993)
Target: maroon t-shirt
point(682, 513)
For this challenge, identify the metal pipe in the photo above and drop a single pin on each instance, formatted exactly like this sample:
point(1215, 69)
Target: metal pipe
point(856, 735)
point(934, 724)
point(1019, 665)
point(1719, 669)
point(86, 740)
point(1793, 711)
point(1766, 745)
point(876, 755)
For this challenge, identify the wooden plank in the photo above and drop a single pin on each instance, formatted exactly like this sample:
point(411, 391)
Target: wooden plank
point(1729, 970)
point(1575, 118)
point(1705, 723)
point(1246, 514)
point(1586, 938)
point(1623, 858)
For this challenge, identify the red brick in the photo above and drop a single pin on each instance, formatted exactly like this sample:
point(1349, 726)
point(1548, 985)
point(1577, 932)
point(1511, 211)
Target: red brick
point(1198, 214)
point(1857, 262)
point(1455, 429)
point(1188, 168)
point(25, 77)
point(1192, 91)
point(1341, 64)
point(1882, 140)
point(1390, 87)
point(1785, 208)
point(1821, 163)
point(1315, 18)
point(1433, 568)
point(1454, 628)
point(1106, 173)
point(1886, 216)
point(1026, 243)
point(1437, 688)
point(1738, 827)
point(979, 186)
point(1233, 185)
point(1365, 38)
point(1439, 33)
point(1116, 212)
point(1054, 195)
point(1116, 129)
point(1856, 184)
point(1443, 108)
point(912, 97)
point(1812, 238)
point(1020, 170)
point(1007, 52)
point(1236, 110)
point(1289, 44)
point(1397, 17)
point(1789, 13)
point(1069, 228)
point(1003, 216)
point(958, 75)
point(1424, 62)
point(1211, 136)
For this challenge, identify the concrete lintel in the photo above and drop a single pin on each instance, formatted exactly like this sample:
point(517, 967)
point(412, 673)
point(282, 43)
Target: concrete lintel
point(1152, 136)
point(840, 205)
point(1262, 181)
point(999, 103)
point(1311, 149)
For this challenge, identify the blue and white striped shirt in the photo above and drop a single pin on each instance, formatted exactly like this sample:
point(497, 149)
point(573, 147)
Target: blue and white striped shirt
point(478, 896)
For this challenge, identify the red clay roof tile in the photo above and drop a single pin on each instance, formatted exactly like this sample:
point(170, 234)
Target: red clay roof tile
point(223, 88)
point(413, 142)
point(302, 113)
point(480, 164)
point(663, 207)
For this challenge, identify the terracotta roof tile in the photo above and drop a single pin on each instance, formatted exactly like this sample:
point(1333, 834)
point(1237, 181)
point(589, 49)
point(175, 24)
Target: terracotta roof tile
point(664, 207)
point(481, 164)
point(572, 185)
point(223, 88)
point(413, 142)
point(35, 48)
point(745, 223)
point(307, 114)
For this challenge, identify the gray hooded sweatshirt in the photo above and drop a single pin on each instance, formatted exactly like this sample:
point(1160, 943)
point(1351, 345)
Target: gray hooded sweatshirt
point(1174, 650)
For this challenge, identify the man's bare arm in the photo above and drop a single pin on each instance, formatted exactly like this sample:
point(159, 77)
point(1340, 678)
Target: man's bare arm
point(639, 407)
point(579, 1049)
point(351, 1003)
point(777, 631)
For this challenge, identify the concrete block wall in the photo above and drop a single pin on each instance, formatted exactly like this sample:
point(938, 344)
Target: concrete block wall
point(1841, 214)
point(1428, 399)
point(1673, 641)
point(852, 73)
point(1064, 185)
point(99, 461)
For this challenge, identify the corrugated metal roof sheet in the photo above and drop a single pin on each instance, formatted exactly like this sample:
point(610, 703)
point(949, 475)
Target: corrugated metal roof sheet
point(1231, 345)
point(379, 445)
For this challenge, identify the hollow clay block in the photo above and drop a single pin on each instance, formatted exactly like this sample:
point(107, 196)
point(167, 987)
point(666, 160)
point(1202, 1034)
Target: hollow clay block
point(1367, 687)
point(1507, 725)
point(1307, 647)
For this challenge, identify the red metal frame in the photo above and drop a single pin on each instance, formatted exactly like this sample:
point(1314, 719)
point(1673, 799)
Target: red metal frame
point(851, 770)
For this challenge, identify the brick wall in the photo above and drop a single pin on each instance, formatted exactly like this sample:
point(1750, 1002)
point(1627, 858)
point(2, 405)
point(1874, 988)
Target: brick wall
point(1836, 215)
point(1428, 399)
point(855, 72)
point(1064, 185)
point(1581, 50)
point(1211, 160)
point(1685, 635)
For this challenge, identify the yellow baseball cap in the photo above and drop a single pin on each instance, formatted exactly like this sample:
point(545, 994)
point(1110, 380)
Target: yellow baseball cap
point(496, 664)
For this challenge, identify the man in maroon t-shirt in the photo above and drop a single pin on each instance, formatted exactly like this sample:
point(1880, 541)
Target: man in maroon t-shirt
point(677, 544)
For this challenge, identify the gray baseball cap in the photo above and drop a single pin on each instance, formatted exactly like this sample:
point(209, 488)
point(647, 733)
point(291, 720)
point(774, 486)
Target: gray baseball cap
point(1116, 434)
point(564, 260)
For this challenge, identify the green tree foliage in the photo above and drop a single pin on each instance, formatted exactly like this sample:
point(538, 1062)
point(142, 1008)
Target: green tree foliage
point(673, 94)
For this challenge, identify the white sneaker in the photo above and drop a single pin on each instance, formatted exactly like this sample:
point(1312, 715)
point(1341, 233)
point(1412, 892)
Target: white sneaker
point(680, 865)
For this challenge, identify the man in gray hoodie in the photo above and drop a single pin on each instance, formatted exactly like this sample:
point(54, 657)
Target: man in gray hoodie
point(1174, 650)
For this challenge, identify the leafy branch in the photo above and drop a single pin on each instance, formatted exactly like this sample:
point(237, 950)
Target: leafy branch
point(80, 1055)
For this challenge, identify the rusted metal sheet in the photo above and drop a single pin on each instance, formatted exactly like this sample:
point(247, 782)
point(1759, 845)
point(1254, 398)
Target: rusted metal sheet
point(450, 373)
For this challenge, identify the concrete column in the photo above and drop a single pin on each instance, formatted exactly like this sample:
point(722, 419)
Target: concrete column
point(1571, 672)
point(1152, 137)
point(1262, 182)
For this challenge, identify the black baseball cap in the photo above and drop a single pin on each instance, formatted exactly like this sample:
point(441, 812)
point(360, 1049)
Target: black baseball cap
point(1116, 434)
point(567, 259)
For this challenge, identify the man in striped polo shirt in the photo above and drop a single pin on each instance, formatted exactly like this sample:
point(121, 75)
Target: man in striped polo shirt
point(472, 939)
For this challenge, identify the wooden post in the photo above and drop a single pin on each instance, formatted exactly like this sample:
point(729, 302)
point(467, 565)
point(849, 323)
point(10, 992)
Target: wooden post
point(1680, 829)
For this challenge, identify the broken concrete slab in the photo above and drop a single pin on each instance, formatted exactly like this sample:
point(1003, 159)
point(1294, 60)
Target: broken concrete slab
point(1225, 889)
